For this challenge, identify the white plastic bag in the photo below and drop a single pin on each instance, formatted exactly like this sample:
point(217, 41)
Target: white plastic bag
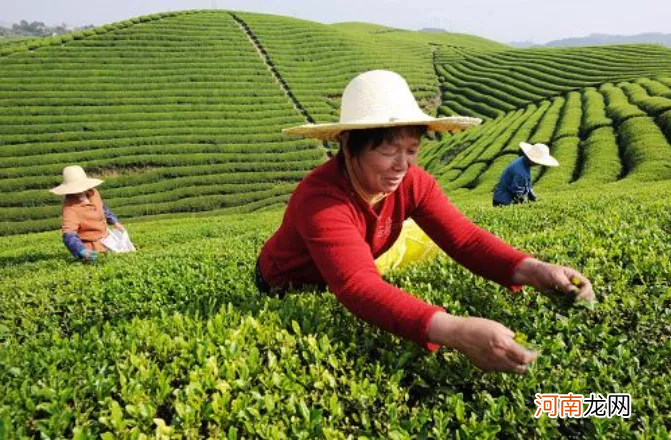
point(118, 241)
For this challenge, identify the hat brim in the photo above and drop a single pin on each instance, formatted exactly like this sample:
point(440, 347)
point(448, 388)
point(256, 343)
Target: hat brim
point(330, 132)
point(74, 188)
point(547, 161)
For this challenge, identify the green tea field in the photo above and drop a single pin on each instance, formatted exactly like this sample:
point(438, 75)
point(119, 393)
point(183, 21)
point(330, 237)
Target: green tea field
point(180, 113)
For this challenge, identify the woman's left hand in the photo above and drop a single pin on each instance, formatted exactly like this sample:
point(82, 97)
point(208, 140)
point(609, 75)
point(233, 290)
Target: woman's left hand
point(547, 277)
point(119, 226)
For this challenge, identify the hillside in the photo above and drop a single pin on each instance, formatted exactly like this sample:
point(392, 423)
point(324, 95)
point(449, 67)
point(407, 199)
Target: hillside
point(181, 112)
point(167, 111)
point(605, 119)
point(443, 39)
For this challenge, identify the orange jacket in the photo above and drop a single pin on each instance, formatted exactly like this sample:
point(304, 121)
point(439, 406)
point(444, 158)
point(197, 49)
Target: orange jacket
point(87, 220)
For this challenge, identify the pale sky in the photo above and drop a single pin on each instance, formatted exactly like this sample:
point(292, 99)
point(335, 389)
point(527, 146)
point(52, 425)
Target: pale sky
point(500, 20)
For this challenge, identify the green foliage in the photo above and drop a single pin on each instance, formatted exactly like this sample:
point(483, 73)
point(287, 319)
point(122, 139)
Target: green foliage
point(594, 115)
point(510, 79)
point(170, 110)
point(174, 340)
point(652, 105)
point(571, 115)
point(599, 136)
point(301, 52)
point(565, 150)
point(181, 114)
point(196, 100)
point(646, 152)
point(548, 125)
point(601, 163)
point(664, 121)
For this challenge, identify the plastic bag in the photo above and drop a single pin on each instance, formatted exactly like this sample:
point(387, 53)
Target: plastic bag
point(412, 246)
point(118, 241)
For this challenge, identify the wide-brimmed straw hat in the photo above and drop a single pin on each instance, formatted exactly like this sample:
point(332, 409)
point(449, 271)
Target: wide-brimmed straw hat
point(539, 153)
point(380, 98)
point(74, 181)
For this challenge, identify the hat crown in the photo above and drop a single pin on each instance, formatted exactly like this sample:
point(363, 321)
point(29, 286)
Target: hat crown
point(378, 96)
point(539, 150)
point(73, 174)
point(539, 153)
point(75, 181)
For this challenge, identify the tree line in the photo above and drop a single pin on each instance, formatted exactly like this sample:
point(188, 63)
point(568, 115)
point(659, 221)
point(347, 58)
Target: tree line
point(37, 29)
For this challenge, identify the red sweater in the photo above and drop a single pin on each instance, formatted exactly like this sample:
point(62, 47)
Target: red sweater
point(330, 236)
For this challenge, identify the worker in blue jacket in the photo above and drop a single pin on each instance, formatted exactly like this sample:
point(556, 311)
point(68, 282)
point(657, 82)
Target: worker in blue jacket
point(515, 183)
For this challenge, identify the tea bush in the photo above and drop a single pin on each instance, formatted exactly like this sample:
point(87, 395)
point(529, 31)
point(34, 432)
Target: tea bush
point(175, 341)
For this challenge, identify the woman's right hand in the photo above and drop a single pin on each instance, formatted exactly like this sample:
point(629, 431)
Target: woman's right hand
point(488, 344)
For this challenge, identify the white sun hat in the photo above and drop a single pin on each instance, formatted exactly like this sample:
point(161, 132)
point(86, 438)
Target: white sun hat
point(74, 181)
point(539, 153)
point(380, 98)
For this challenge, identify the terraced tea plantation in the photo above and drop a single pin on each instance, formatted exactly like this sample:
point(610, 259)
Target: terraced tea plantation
point(176, 113)
point(181, 114)
point(175, 339)
point(599, 135)
point(604, 121)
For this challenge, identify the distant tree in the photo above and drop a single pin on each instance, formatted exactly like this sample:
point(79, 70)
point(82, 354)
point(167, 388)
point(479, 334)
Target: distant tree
point(37, 29)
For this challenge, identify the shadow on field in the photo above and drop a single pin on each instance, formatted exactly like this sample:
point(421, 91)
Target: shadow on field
point(8, 262)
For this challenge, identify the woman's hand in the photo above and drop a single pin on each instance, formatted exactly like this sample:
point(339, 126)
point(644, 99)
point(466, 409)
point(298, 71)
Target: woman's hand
point(88, 256)
point(488, 344)
point(548, 277)
point(119, 226)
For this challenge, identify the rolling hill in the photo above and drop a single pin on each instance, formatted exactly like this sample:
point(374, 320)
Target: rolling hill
point(181, 112)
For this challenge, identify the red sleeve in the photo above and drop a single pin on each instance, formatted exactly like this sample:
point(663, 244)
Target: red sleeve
point(474, 248)
point(328, 227)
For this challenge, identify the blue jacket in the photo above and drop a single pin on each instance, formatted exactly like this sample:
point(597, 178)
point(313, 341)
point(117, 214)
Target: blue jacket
point(515, 183)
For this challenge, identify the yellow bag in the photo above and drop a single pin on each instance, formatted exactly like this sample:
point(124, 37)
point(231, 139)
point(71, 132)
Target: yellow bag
point(412, 246)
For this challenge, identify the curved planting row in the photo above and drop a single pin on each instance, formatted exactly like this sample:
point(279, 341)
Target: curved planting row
point(491, 84)
point(176, 114)
point(317, 60)
point(30, 44)
point(599, 135)
point(181, 106)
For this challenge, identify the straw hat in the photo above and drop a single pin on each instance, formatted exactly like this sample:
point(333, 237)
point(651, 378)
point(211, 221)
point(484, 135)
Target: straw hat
point(74, 181)
point(379, 98)
point(539, 153)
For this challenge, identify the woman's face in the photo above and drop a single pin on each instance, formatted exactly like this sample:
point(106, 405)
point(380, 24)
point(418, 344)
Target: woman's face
point(381, 169)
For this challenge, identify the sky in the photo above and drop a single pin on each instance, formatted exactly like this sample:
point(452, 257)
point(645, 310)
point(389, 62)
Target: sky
point(538, 21)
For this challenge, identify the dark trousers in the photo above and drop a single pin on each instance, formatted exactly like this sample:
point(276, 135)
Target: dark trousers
point(263, 285)
point(280, 292)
